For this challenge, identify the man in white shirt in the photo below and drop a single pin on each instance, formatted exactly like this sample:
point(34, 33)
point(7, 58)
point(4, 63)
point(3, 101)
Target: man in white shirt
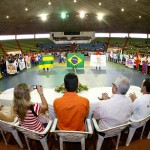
point(117, 109)
point(141, 104)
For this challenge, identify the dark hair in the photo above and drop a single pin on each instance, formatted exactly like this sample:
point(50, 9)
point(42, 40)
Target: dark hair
point(71, 82)
point(146, 83)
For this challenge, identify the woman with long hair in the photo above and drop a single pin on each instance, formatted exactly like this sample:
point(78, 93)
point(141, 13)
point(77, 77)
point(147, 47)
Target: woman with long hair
point(25, 110)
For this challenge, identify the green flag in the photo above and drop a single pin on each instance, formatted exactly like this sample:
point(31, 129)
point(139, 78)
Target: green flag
point(47, 61)
point(75, 60)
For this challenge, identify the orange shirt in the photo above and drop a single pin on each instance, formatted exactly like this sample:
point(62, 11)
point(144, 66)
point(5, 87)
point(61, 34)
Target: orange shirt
point(71, 110)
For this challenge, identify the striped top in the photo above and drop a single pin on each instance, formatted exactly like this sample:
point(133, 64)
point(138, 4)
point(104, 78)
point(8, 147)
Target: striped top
point(31, 121)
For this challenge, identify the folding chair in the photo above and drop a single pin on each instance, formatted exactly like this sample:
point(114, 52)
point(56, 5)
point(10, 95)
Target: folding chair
point(72, 136)
point(148, 137)
point(40, 136)
point(135, 124)
point(110, 132)
point(10, 127)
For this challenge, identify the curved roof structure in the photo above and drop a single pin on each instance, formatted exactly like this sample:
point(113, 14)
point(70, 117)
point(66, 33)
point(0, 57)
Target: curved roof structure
point(23, 16)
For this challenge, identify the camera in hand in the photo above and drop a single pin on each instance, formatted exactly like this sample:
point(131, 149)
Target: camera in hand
point(34, 87)
point(100, 98)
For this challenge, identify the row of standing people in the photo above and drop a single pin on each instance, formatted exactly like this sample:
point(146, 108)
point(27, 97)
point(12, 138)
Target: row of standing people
point(140, 62)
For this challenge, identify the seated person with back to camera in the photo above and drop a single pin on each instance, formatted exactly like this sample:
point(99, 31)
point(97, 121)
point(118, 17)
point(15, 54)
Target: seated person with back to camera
point(28, 113)
point(71, 109)
point(141, 104)
point(117, 109)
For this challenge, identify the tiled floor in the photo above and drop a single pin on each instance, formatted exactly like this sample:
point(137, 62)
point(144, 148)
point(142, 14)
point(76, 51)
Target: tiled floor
point(89, 76)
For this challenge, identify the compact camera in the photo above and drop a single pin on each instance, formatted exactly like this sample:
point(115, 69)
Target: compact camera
point(34, 87)
point(100, 98)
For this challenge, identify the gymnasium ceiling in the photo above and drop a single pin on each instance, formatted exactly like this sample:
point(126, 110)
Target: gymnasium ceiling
point(14, 19)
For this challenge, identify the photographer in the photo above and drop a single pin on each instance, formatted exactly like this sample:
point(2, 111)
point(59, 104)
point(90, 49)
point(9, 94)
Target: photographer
point(26, 111)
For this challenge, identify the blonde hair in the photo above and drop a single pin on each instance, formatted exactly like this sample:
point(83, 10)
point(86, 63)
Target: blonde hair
point(21, 100)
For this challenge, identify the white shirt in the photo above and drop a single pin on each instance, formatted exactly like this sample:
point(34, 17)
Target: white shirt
point(148, 59)
point(142, 59)
point(114, 111)
point(141, 107)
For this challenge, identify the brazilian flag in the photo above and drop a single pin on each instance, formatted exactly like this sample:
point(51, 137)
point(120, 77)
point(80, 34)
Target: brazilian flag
point(75, 60)
point(47, 61)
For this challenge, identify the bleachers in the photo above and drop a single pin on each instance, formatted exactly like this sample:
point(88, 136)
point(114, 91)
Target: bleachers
point(136, 44)
point(117, 42)
point(35, 45)
point(27, 45)
point(9, 46)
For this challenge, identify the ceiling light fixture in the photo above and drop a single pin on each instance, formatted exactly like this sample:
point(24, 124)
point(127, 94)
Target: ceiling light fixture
point(122, 9)
point(26, 9)
point(7, 17)
point(82, 14)
point(43, 17)
point(100, 16)
point(140, 17)
point(49, 3)
point(63, 15)
point(75, 1)
point(100, 4)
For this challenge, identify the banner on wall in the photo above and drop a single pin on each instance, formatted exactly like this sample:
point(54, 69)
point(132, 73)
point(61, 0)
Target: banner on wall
point(97, 60)
point(75, 60)
point(47, 61)
point(11, 67)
